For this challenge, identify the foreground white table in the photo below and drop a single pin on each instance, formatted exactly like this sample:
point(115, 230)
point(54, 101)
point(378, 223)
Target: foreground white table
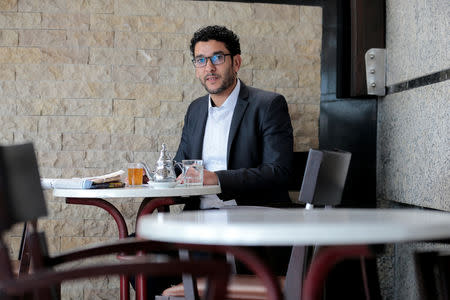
point(251, 227)
point(275, 227)
point(159, 197)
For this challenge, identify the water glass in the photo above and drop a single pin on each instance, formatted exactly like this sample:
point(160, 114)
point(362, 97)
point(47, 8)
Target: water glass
point(193, 172)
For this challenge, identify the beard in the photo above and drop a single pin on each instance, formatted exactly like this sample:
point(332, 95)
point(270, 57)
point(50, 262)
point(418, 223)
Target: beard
point(228, 80)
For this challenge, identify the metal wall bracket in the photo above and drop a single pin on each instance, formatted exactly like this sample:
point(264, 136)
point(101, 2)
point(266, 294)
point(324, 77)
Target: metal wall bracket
point(376, 71)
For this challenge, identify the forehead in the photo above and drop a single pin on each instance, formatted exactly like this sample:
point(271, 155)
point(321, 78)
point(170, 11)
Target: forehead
point(209, 48)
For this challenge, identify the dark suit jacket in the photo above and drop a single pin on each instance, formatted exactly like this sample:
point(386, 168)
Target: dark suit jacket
point(260, 146)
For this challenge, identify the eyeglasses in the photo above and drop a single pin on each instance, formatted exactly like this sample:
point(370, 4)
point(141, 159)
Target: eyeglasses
point(216, 59)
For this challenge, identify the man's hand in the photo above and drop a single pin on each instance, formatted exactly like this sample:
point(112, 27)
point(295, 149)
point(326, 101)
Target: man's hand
point(210, 178)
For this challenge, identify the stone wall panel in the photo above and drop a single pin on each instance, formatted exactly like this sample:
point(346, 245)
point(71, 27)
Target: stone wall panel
point(43, 140)
point(20, 55)
point(188, 9)
point(6, 137)
point(68, 243)
point(159, 58)
point(79, 142)
point(20, 123)
point(8, 5)
point(177, 76)
point(9, 107)
point(65, 55)
point(7, 72)
point(59, 159)
point(83, 39)
point(135, 74)
point(9, 38)
point(133, 143)
point(311, 15)
point(76, 21)
point(61, 227)
point(111, 56)
point(160, 24)
point(90, 73)
point(109, 293)
point(136, 108)
point(276, 12)
point(175, 42)
point(102, 159)
point(137, 7)
point(134, 40)
point(43, 38)
point(269, 79)
point(84, 89)
point(10, 20)
point(39, 72)
point(100, 228)
point(223, 12)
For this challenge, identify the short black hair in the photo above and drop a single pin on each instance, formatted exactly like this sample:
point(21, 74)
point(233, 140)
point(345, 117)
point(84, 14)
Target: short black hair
point(218, 33)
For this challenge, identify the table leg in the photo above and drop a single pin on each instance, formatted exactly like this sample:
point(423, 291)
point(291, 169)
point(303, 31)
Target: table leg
point(111, 209)
point(153, 204)
point(323, 262)
point(148, 208)
point(121, 225)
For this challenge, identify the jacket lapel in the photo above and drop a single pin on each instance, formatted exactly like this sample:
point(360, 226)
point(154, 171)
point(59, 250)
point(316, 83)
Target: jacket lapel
point(238, 114)
point(202, 116)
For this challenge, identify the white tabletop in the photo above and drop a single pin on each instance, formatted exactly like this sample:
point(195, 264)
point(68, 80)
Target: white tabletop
point(138, 192)
point(249, 227)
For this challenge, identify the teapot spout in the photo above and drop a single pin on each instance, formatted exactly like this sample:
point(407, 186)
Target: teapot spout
point(149, 174)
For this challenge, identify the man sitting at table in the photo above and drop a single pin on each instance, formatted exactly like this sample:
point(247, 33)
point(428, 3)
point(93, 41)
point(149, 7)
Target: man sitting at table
point(243, 134)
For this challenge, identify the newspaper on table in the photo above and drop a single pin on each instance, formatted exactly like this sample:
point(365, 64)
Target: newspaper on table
point(81, 183)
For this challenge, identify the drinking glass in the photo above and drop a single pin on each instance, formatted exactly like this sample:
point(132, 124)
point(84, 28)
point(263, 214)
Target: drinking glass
point(193, 172)
point(135, 174)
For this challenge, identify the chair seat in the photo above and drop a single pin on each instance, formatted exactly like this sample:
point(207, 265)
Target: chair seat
point(240, 287)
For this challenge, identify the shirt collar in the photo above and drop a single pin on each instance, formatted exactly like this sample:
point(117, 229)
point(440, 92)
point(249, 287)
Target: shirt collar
point(230, 102)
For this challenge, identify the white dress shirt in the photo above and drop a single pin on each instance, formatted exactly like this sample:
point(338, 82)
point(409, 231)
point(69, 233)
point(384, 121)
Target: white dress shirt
point(215, 142)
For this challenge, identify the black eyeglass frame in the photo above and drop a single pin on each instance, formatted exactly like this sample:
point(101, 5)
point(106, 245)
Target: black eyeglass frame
point(210, 59)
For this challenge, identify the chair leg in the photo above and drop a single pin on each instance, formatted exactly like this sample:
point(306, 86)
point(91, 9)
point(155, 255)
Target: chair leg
point(294, 278)
point(189, 283)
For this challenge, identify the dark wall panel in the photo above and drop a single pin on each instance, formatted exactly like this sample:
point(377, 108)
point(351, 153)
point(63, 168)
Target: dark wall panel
point(350, 125)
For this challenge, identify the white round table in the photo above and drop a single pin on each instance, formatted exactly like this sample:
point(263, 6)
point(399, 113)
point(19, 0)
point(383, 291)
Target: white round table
point(143, 191)
point(346, 230)
point(159, 197)
point(270, 227)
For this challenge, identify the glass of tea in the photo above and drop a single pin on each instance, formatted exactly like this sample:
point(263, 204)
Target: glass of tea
point(135, 174)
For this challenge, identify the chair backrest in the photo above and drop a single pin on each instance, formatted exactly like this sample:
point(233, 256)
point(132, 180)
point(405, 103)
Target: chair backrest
point(324, 178)
point(323, 184)
point(21, 196)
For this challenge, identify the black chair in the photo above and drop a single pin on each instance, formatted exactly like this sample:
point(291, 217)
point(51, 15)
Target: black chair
point(22, 200)
point(322, 184)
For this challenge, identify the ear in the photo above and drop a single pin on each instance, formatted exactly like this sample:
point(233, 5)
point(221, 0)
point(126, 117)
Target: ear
point(237, 61)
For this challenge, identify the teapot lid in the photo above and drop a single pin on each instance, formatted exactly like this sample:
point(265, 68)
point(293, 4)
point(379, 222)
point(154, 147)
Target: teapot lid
point(164, 155)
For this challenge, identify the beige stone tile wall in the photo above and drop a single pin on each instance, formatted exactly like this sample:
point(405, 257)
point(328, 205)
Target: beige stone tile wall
point(96, 84)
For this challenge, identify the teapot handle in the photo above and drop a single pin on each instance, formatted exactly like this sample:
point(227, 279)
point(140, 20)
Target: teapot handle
point(179, 165)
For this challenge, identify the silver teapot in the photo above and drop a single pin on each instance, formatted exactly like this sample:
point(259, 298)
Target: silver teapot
point(165, 171)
